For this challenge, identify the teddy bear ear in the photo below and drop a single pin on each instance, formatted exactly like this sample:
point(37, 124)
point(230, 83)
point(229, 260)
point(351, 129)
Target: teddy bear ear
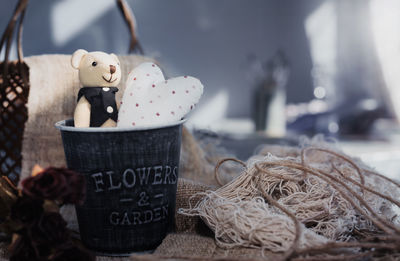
point(115, 57)
point(77, 57)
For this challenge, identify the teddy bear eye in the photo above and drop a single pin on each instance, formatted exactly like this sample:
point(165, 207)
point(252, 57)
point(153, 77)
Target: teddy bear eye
point(94, 63)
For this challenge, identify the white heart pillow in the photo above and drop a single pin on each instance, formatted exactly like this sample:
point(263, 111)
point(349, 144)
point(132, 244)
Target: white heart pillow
point(151, 100)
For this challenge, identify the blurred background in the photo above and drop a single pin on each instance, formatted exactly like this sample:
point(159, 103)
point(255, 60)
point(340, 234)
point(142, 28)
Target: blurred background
point(272, 69)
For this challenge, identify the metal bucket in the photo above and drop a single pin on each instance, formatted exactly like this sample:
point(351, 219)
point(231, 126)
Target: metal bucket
point(131, 178)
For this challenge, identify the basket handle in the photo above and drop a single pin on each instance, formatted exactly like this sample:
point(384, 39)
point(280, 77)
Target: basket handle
point(6, 38)
point(126, 12)
point(19, 14)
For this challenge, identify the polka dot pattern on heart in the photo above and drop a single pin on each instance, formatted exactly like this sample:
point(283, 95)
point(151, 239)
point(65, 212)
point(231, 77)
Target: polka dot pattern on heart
point(150, 99)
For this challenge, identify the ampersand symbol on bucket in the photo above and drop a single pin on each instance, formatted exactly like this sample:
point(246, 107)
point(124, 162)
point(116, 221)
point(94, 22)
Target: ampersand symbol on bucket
point(144, 199)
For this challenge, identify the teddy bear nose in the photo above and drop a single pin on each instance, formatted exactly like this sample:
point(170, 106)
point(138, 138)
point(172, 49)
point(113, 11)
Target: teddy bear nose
point(112, 69)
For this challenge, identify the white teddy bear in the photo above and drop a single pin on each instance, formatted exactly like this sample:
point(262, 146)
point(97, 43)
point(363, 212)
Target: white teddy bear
point(99, 73)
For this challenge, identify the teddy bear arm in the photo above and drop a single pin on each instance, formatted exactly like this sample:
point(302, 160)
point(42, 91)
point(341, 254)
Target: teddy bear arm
point(82, 113)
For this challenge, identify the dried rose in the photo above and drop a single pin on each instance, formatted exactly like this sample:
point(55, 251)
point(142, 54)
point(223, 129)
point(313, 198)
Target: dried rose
point(77, 187)
point(22, 249)
point(49, 184)
point(73, 252)
point(56, 184)
point(26, 209)
point(50, 230)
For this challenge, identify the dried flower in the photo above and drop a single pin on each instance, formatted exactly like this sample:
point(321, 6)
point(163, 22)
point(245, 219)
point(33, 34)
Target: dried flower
point(40, 232)
point(77, 187)
point(36, 170)
point(56, 184)
point(50, 230)
point(48, 184)
point(26, 209)
point(8, 196)
point(22, 249)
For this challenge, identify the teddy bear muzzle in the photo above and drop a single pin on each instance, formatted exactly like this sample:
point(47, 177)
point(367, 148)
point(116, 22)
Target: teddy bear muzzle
point(113, 69)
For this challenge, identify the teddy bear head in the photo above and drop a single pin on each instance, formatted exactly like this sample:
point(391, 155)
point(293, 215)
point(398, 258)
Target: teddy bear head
point(97, 69)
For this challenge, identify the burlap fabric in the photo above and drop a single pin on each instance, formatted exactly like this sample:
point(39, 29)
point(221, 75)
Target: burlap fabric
point(198, 247)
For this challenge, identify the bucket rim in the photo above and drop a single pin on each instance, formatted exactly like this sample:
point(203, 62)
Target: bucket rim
point(61, 125)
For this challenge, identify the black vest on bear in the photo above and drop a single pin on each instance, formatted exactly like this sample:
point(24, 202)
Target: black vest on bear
point(102, 102)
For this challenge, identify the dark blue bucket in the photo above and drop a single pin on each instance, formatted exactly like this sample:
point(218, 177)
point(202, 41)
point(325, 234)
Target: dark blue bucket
point(131, 176)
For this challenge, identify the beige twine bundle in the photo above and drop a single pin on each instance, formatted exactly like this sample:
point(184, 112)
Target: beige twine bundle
point(314, 202)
